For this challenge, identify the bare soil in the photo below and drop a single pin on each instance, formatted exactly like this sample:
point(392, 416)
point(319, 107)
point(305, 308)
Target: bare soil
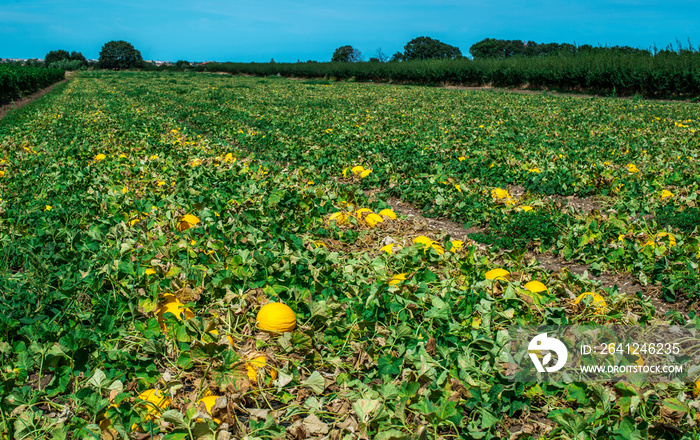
point(584, 205)
point(455, 230)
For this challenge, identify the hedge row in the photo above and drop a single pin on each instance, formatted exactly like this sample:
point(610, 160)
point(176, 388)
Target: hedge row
point(663, 75)
point(17, 81)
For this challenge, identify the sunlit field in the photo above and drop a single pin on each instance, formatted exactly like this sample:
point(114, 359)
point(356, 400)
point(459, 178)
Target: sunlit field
point(146, 218)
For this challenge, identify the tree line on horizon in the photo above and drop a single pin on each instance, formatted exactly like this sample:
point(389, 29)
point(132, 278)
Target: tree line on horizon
point(426, 48)
point(622, 70)
point(123, 55)
point(494, 48)
point(114, 55)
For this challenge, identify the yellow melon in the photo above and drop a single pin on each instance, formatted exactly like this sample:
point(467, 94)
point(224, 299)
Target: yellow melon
point(396, 279)
point(598, 301)
point(154, 401)
point(277, 318)
point(428, 243)
point(387, 213)
point(338, 217)
point(422, 239)
point(174, 306)
point(437, 248)
point(389, 249)
point(103, 421)
point(499, 193)
point(457, 245)
point(373, 219)
point(535, 287)
point(254, 366)
point(498, 274)
point(362, 211)
point(208, 402)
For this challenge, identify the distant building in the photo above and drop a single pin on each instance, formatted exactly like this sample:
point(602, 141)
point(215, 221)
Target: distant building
point(159, 62)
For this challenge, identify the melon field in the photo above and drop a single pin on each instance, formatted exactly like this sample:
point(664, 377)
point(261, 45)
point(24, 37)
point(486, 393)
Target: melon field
point(146, 219)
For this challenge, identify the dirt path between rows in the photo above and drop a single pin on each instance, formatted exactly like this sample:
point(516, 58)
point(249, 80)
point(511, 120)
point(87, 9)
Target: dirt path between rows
point(14, 105)
point(527, 91)
point(625, 282)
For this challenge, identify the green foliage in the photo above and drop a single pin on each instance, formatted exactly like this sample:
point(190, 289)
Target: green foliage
point(663, 75)
point(56, 55)
point(345, 54)
point(426, 48)
point(59, 58)
point(521, 230)
point(686, 220)
point(96, 179)
point(494, 48)
point(68, 65)
point(120, 55)
point(681, 284)
point(77, 56)
point(17, 81)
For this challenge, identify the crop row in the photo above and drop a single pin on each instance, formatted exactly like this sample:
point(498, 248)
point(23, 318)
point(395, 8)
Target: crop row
point(94, 188)
point(664, 75)
point(632, 166)
point(17, 81)
point(97, 185)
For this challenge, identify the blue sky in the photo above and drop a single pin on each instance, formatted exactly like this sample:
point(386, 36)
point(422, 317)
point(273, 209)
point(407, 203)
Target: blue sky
point(219, 30)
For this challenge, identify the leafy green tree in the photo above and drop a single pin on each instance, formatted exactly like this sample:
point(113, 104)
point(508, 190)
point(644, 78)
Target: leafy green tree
point(77, 56)
point(493, 48)
point(531, 49)
point(62, 56)
point(120, 55)
point(56, 55)
point(346, 54)
point(514, 48)
point(426, 48)
point(546, 49)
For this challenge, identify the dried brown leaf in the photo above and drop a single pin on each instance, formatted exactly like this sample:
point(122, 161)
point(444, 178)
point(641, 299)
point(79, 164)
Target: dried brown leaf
point(314, 425)
point(297, 430)
point(431, 345)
